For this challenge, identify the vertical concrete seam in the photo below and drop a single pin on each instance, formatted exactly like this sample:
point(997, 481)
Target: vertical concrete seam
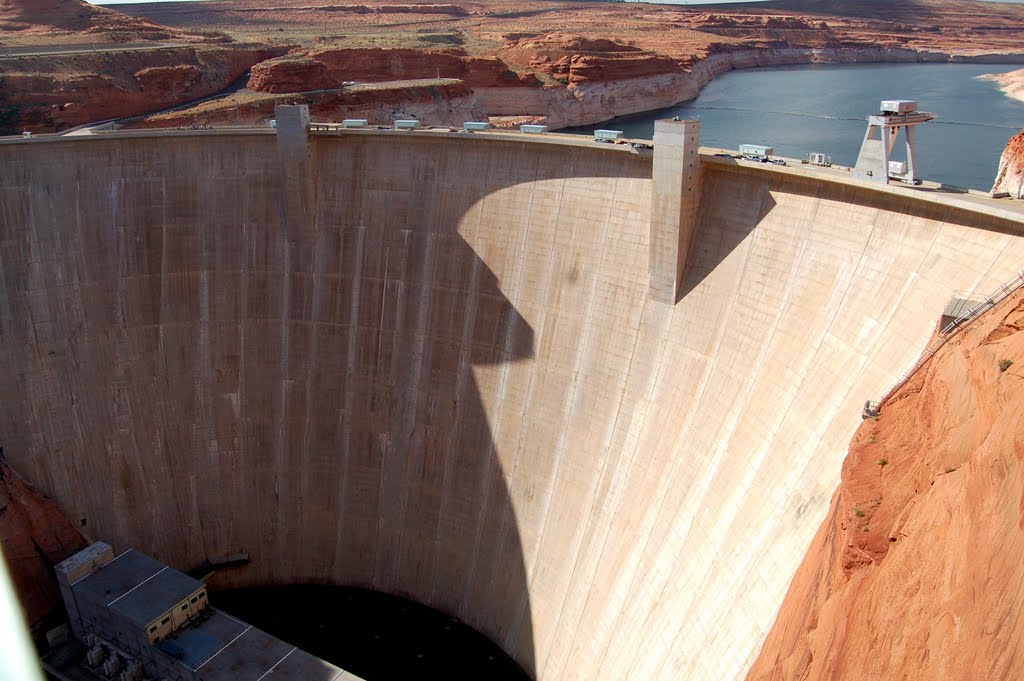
point(600, 474)
point(710, 365)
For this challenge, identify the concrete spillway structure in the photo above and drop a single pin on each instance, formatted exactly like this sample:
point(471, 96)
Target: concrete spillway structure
point(450, 381)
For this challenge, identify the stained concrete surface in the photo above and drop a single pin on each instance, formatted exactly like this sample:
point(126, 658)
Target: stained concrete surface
point(453, 385)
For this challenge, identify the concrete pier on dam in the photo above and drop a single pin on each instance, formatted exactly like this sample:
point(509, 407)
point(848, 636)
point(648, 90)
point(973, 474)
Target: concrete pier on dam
point(436, 365)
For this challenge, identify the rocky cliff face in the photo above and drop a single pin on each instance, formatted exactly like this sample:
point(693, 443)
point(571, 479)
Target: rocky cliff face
point(1010, 175)
point(439, 103)
point(55, 17)
point(323, 69)
point(917, 571)
point(35, 536)
point(52, 93)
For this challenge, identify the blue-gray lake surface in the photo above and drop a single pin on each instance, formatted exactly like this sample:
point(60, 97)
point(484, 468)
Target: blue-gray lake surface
point(822, 108)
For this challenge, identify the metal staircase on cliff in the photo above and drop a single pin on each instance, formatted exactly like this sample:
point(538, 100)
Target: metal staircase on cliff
point(872, 409)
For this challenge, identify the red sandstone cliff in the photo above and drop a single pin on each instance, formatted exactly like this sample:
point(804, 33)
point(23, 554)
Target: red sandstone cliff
point(439, 102)
point(917, 571)
point(329, 68)
point(34, 535)
point(55, 92)
point(1010, 175)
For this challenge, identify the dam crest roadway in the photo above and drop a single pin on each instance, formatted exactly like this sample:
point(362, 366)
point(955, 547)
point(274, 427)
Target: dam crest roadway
point(437, 365)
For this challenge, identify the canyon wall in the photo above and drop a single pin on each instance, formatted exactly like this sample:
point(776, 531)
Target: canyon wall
point(441, 373)
point(448, 102)
point(55, 92)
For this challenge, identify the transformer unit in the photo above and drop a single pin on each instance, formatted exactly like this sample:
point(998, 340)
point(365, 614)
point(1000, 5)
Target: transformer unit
point(816, 159)
point(897, 168)
point(898, 106)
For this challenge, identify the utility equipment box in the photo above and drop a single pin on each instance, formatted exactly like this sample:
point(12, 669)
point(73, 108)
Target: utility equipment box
point(355, 123)
point(608, 135)
point(476, 126)
point(406, 124)
point(898, 106)
point(756, 150)
point(897, 168)
point(816, 159)
point(533, 129)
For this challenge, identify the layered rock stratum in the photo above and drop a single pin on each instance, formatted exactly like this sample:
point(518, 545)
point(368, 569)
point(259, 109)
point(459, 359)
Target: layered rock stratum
point(916, 572)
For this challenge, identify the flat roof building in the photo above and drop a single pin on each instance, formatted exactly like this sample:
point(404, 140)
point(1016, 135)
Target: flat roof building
point(143, 619)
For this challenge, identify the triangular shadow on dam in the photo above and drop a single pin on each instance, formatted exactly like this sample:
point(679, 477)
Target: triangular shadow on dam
point(735, 201)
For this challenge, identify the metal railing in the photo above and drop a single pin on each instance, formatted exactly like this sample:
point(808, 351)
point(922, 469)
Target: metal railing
point(948, 332)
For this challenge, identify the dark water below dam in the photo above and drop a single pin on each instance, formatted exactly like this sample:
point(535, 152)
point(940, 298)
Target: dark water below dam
point(376, 636)
point(822, 108)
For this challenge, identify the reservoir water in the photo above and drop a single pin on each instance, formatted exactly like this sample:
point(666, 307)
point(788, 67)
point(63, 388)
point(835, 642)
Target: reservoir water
point(822, 108)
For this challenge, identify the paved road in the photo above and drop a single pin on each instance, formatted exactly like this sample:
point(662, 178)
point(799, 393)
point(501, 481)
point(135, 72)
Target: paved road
point(48, 50)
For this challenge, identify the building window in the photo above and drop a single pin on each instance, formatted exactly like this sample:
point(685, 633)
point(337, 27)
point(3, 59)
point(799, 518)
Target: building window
point(194, 599)
point(152, 629)
point(165, 620)
point(185, 606)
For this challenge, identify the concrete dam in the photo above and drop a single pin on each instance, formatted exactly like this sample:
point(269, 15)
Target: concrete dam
point(432, 364)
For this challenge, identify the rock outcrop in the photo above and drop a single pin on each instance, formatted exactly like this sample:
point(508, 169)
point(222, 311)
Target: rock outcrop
point(916, 572)
point(1010, 175)
point(55, 92)
point(321, 69)
point(439, 103)
point(35, 536)
point(56, 17)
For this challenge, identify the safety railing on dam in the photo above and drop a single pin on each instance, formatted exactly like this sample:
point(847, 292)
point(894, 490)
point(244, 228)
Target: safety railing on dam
point(951, 329)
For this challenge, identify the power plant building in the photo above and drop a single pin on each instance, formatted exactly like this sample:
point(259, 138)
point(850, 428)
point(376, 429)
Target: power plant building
point(143, 619)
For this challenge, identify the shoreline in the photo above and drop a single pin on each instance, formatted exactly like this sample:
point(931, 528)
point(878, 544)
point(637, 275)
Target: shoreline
point(1011, 83)
point(570, 106)
point(687, 86)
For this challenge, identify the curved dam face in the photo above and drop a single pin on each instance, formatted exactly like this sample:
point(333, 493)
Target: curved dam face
point(448, 380)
